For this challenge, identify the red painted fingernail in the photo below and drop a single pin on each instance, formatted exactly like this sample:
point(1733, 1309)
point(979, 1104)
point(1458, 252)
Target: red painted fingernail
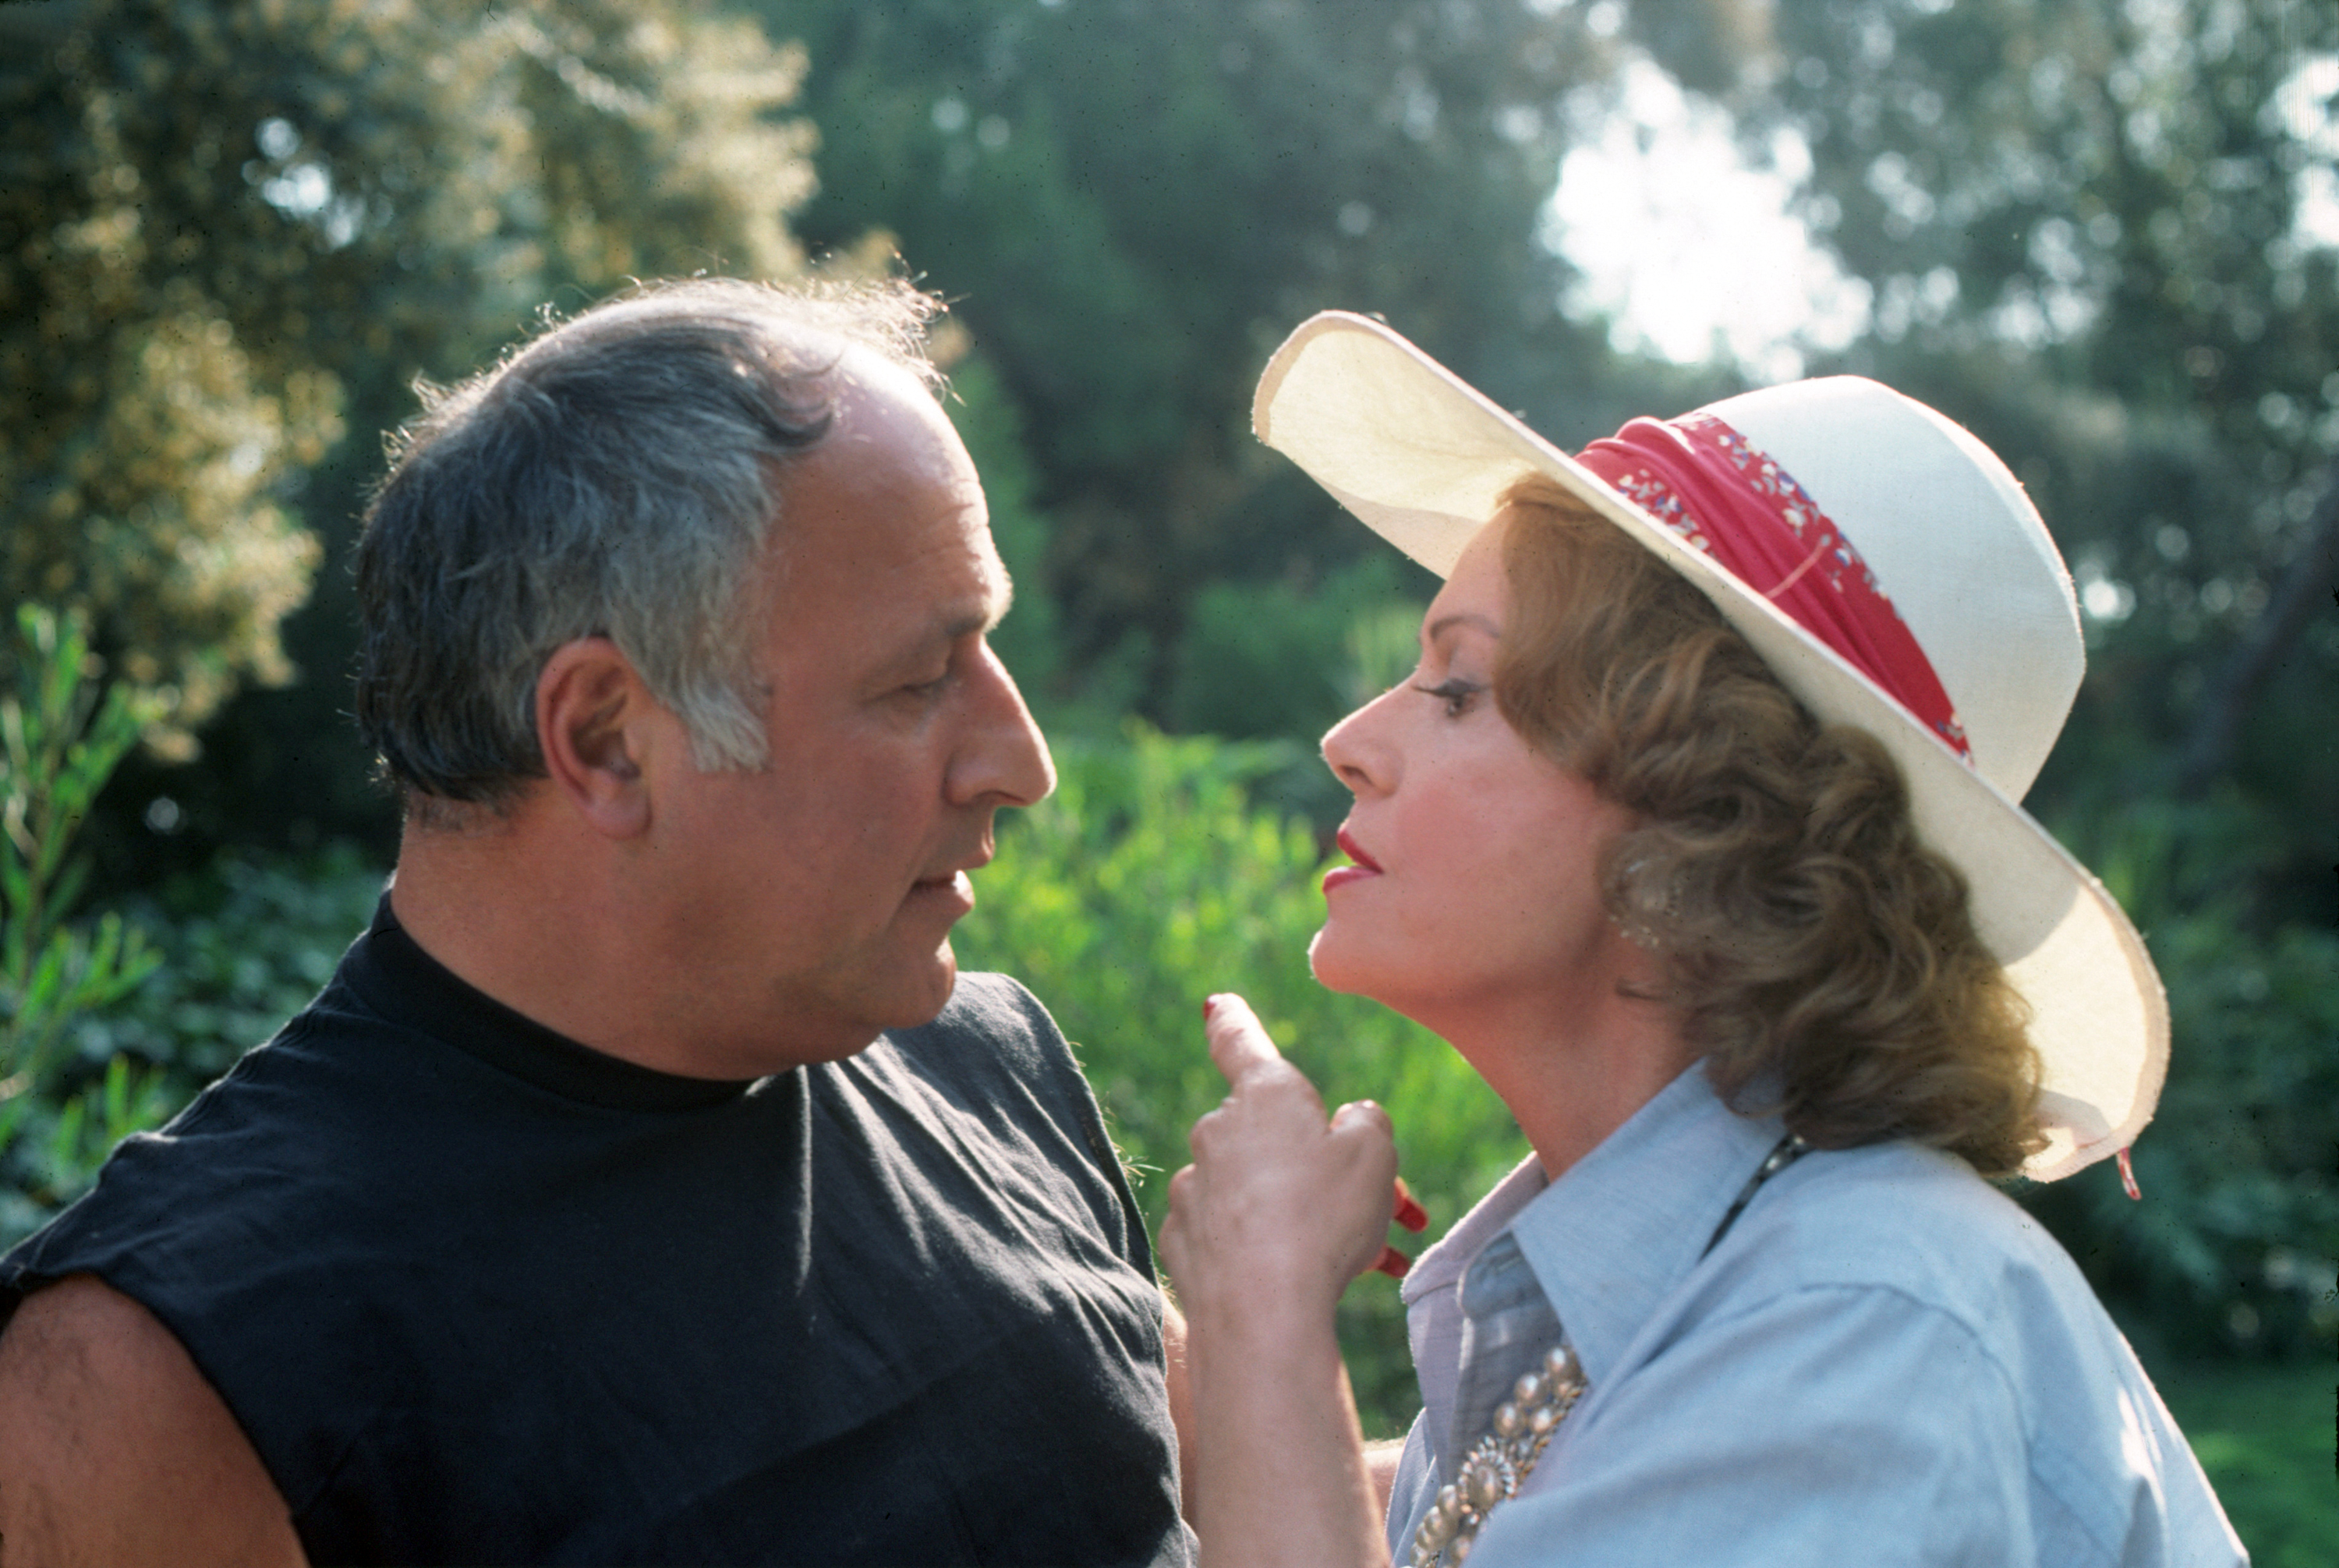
point(1393, 1263)
point(1208, 1005)
point(1409, 1212)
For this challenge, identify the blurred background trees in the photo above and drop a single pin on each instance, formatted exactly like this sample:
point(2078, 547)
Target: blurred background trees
point(2105, 233)
point(232, 236)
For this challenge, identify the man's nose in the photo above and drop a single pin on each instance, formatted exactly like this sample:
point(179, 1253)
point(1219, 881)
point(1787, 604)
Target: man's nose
point(1005, 761)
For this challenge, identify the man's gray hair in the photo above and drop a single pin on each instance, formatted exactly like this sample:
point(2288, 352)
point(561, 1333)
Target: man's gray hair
point(620, 476)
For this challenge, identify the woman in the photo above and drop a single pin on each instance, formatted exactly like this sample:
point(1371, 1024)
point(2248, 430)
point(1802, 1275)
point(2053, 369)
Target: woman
point(1694, 833)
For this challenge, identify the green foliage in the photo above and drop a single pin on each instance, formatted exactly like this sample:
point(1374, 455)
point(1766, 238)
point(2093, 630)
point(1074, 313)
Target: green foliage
point(1131, 203)
point(2235, 1245)
point(107, 1027)
point(59, 740)
point(1260, 660)
point(246, 944)
point(1148, 882)
point(231, 232)
point(2081, 224)
point(1276, 660)
point(2264, 1434)
point(242, 947)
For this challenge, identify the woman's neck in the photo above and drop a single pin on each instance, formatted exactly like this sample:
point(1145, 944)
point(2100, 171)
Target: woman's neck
point(1574, 1075)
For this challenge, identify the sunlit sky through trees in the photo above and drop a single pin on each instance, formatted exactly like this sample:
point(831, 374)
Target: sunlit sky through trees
point(1692, 252)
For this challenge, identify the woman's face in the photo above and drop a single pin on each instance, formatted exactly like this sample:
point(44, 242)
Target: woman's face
point(1475, 892)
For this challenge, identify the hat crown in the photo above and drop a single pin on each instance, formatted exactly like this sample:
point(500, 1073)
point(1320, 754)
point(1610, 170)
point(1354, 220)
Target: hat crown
point(1952, 541)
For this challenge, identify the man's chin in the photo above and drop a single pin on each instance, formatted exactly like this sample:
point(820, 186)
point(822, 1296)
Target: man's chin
point(839, 1023)
point(946, 960)
point(921, 998)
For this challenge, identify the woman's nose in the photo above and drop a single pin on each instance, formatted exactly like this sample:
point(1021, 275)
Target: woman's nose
point(1355, 751)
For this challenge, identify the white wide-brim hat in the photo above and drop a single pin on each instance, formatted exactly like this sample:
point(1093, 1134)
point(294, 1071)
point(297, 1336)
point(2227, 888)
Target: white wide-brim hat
point(1951, 539)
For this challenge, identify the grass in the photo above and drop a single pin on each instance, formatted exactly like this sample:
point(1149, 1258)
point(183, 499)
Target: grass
point(2268, 1437)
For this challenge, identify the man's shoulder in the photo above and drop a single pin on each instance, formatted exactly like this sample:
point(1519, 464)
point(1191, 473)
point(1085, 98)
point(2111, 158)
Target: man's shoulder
point(117, 1447)
point(994, 1046)
point(283, 1092)
point(997, 1057)
point(315, 1129)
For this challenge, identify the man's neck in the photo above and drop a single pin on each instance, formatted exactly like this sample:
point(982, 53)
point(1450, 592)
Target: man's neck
point(534, 909)
point(524, 922)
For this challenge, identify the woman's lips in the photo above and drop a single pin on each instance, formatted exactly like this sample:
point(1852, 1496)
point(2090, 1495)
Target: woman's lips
point(1341, 876)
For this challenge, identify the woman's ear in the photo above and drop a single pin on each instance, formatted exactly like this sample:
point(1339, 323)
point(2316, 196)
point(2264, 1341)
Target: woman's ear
point(592, 716)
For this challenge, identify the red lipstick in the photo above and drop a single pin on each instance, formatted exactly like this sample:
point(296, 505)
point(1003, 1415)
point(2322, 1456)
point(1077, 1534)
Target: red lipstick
point(1366, 866)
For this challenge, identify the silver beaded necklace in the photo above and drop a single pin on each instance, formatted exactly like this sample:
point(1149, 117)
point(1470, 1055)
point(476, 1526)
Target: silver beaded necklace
point(1497, 1465)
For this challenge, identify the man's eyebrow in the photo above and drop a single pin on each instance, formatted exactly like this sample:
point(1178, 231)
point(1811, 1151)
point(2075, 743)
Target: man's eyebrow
point(977, 615)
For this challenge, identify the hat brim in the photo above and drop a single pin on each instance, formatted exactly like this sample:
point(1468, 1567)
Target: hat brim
point(1422, 458)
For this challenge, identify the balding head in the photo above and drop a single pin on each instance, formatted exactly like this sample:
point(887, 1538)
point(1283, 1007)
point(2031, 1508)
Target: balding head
point(622, 475)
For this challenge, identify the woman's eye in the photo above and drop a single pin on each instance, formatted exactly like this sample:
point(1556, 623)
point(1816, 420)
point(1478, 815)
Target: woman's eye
point(1456, 692)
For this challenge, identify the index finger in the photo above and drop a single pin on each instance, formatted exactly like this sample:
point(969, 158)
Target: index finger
point(1240, 1045)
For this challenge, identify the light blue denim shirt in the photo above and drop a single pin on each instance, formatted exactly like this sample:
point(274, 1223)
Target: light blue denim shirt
point(1885, 1361)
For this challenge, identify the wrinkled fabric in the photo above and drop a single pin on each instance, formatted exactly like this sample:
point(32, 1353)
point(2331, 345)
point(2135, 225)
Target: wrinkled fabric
point(477, 1294)
point(1884, 1361)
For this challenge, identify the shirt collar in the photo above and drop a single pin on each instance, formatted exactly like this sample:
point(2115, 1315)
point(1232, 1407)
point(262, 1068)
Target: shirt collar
point(1442, 1264)
point(1625, 1223)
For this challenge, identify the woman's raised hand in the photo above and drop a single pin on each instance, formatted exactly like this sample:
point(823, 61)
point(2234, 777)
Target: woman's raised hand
point(1282, 1207)
point(1281, 1204)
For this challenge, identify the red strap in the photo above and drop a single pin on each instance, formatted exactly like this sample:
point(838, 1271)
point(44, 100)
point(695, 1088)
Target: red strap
point(1727, 497)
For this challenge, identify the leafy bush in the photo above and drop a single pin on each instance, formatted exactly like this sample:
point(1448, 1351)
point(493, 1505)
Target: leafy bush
point(242, 948)
point(1151, 879)
point(1147, 882)
point(1273, 659)
point(2263, 1434)
point(59, 740)
point(2233, 1248)
point(246, 944)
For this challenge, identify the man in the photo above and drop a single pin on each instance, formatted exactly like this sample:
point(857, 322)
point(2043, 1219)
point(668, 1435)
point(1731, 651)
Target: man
point(580, 1220)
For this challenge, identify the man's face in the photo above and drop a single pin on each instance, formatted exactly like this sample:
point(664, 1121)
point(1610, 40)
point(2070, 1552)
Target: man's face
point(803, 908)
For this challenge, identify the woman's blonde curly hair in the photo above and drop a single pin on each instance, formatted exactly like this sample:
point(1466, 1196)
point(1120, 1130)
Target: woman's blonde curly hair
point(1821, 957)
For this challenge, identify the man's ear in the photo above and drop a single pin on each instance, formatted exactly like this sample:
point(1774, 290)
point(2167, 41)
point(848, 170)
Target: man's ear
point(593, 714)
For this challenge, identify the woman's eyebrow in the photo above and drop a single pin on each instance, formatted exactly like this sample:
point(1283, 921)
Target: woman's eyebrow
point(1443, 624)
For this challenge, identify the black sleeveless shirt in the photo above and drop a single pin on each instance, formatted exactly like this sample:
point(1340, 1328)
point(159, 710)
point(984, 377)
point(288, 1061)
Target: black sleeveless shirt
point(480, 1294)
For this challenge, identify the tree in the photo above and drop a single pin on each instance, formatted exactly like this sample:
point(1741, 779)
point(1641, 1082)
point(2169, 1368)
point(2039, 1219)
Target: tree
point(2085, 228)
point(1130, 203)
point(2082, 225)
point(233, 232)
